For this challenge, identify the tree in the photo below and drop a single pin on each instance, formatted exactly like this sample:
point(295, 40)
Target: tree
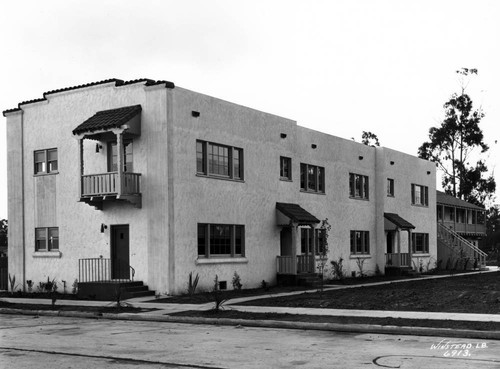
point(369, 139)
point(3, 232)
point(456, 143)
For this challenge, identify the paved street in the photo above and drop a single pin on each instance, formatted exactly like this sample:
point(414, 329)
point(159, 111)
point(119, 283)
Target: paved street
point(57, 342)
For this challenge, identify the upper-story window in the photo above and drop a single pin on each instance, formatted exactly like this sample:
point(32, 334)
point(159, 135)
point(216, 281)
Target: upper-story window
point(390, 187)
point(358, 186)
point(285, 168)
point(47, 239)
point(419, 195)
point(45, 161)
point(312, 178)
point(217, 160)
point(128, 156)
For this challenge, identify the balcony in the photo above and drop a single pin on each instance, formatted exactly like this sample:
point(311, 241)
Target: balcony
point(98, 188)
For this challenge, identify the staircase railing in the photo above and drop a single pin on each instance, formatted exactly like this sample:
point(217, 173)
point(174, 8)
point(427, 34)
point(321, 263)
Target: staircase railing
point(459, 244)
point(104, 271)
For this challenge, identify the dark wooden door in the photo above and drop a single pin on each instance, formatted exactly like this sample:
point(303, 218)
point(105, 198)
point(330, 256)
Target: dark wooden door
point(120, 252)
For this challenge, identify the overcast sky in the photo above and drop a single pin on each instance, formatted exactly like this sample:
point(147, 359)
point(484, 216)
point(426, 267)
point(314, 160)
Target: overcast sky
point(340, 67)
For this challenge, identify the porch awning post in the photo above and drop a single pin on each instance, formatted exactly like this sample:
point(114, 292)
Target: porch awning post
point(119, 161)
point(295, 229)
point(399, 247)
point(80, 166)
point(410, 247)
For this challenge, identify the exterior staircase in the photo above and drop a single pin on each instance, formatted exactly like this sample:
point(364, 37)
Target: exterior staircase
point(130, 290)
point(460, 247)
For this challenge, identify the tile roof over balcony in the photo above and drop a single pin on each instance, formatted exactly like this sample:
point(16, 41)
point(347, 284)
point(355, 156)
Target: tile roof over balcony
point(295, 214)
point(108, 119)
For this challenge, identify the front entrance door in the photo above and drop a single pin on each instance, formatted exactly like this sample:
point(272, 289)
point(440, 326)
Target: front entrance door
point(390, 242)
point(120, 252)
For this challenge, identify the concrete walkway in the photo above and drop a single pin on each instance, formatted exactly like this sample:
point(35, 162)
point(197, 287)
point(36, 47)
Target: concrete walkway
point(166, 308)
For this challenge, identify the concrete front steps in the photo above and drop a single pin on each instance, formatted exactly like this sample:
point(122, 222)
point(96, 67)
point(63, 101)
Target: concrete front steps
point(109, 291)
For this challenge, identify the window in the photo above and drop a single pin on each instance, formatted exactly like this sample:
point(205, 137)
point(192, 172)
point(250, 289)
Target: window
point(440, 213)
point(358, 186)
point(420, 243)
point(45, 161)
point(221, 240)
point(216, 160)
point(390, 187)
point(285, 168)
point(312, 178)
point(127, 157)
point(47, 239)
point(360, 242)
point(307, 241)
point(419, 195)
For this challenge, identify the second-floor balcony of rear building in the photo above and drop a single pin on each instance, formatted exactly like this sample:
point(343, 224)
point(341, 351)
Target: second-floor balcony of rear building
point(113, 131)
point(460, 216)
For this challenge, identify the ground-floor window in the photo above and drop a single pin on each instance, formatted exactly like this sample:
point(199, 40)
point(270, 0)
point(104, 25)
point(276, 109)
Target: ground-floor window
point(221, 240)
point(360, 242)
point(420, 243)
point(307, 243)
point(47, 239)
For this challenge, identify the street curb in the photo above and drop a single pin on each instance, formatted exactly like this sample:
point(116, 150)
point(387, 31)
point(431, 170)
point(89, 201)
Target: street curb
point(352, 328)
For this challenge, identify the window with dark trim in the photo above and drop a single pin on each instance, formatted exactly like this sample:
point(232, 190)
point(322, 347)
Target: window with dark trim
point(128, 156)
point(215, 160)
point(312, 178)
point(221, 240)
point(45, 161)
point(285, 168)
point(419, 195)
point(47, 239)
point(358, 186)
point(360, 242)
point(420, 243)
point(390, 187)
point(307, 244)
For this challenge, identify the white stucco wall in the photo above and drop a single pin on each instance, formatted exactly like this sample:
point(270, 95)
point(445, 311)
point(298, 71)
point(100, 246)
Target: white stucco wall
point(163, 233)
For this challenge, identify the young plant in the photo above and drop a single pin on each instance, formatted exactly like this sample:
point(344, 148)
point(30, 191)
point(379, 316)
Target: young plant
point(12, 282)
point(325, 228)
point(338, 269)
point(192, 284)
point(74, 287)
point(218, 296)
point(29, 283)
point(361, 263)
point(236, 281)
point(264, 285)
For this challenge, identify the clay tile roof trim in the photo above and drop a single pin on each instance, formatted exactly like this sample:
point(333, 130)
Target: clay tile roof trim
point(118, 83)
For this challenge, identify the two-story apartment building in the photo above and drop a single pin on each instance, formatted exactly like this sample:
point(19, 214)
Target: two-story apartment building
point(143, 179)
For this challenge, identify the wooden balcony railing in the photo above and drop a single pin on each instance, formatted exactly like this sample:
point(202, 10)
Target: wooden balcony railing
point(107, 184)
point(295, 265)
point(397, 260)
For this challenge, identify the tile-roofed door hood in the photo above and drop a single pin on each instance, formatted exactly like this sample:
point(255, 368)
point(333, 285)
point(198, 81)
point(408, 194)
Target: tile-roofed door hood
point(398, 221)
point(108, 119)
point(296, 214)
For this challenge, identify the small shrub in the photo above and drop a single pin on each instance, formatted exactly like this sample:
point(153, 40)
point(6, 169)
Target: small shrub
point(74, 289)
point(360, 263)
point(236, 282)
point(29, 283)
point(338, 269)
point(466, 262)
point(264, 285)
point(12, 282)
point(377, 271)
point(475, 263)
point(193, 283)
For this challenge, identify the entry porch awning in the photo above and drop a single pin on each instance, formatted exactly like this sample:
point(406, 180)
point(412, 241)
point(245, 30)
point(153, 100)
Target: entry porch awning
point(393, 220)
point(101, 124)
point(292, 213)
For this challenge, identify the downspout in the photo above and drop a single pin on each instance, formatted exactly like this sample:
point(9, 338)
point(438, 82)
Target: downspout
point(23, 202)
